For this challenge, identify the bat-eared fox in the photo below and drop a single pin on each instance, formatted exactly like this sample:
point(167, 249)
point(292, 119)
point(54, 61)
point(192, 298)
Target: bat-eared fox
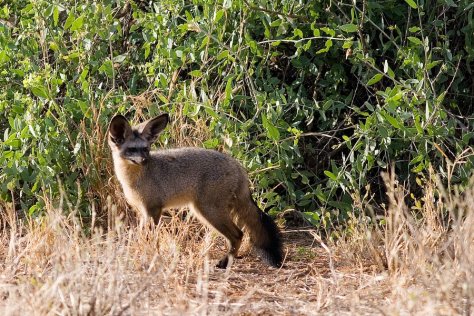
point(214, 186)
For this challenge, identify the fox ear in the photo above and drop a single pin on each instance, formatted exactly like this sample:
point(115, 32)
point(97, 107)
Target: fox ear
point(152, 128)
point(119, 129)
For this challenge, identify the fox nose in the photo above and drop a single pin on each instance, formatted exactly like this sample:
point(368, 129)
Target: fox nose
point(139, 160)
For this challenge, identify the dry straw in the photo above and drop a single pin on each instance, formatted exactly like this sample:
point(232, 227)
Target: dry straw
point(419, 262)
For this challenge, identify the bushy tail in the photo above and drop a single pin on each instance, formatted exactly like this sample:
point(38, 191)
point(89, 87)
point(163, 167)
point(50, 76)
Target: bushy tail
point(264, 234)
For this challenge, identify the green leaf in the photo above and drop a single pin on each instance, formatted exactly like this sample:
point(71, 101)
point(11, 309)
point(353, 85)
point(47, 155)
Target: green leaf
point(272, 131)
point(451, 3)
point(328, 31)
point(347, 44)
point(433, 64)
point(228, 90)
point(348, 28)
point(146, 46)
point(107, 68)
point(276, 23)
point(330, 175)
point(223, 54)
point(12, 141)
point(415, 40)
point(69, 20)
point(119, 58)
point(219, 15)
point(4, 57)
point(418, 168)
point(417, 159)
point(48, 11)
point(196, 73)
point(163, 98)
point(312, 217)
point(211, 143)
point(327, 45)
point(412, 4)
point(375, 79)
point(388, 70)
point(55, 15)
point(40, 92)
point(204, 42)
point(298, 33)
point(393, 121)
point(211, 112)
point(418, 126)
point(304, 202)
point(77, 24)
point(72, 55)
point(27, 8)
point(469, 7)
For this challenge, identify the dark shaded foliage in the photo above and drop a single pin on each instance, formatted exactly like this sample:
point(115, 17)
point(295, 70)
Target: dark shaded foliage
point(316, 99)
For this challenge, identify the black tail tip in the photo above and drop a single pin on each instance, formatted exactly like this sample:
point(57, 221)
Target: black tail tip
point(271, 250)
point(273, 259)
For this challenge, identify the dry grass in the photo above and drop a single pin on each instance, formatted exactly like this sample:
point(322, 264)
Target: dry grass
point(421, 263)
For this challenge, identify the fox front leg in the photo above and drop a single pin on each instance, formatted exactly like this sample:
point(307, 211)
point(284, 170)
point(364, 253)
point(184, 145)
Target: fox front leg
point(147, 212)
point(156, 216)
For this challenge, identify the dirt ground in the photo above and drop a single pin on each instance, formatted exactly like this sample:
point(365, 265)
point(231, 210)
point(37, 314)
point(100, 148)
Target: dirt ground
point(311, 281)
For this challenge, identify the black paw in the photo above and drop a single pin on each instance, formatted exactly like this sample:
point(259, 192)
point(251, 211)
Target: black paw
point(225, 262)
point(222, 264)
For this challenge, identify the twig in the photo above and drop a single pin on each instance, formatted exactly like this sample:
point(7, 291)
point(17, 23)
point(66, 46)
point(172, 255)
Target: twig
point(331, 262)
point(361, 27)
point(264, 169)
point(304, 39)
point(309, 134)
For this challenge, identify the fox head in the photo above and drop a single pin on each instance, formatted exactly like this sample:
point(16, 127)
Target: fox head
point(132, 144)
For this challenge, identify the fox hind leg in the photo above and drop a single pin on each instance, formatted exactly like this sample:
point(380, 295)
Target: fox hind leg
point(234, 236)
point(222, 222)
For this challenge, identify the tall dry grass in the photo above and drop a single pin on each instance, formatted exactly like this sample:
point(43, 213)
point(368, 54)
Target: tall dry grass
point(425, 254)
point(51, 266)
point(430, 251)
point(419, 262)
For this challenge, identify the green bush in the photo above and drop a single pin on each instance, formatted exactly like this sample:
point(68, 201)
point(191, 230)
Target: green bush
point(316, 98)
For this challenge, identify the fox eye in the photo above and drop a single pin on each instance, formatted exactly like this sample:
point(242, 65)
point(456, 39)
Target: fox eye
point(134, 150)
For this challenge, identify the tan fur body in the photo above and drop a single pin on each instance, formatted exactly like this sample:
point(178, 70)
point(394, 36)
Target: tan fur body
point(213, 184)
point(183, 176)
